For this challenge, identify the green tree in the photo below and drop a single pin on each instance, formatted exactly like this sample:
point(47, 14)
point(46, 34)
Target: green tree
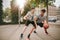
point(1, 12)
point(26, 9)
point(15, 16)
point(7, 12)
point(34, 3)
point(14, 11)
point(44, 2)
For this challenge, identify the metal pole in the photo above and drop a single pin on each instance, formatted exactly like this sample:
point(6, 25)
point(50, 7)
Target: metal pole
point(19, 14)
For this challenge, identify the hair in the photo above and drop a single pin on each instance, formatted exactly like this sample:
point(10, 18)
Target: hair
point(43, 10)
point(32, 8)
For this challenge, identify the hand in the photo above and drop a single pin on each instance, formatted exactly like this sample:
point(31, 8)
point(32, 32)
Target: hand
point(25, 18)
point(46, 26)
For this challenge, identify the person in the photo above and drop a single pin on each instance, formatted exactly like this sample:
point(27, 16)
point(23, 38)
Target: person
point(41, 21)
point(29, 17)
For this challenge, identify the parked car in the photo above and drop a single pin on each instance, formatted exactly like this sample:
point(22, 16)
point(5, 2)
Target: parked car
point(52, 19)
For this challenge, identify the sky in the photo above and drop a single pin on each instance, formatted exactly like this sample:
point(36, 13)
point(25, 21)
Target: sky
point(57, 3)
point(6, 3)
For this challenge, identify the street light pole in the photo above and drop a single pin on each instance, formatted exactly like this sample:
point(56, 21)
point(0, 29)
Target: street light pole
point(19, 15)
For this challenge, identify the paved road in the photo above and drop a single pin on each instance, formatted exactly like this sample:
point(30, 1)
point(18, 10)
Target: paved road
point(12, 32)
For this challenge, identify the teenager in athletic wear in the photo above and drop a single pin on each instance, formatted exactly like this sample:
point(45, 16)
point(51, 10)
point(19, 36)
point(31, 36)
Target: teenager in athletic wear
point(29, 20)
point(41, 21)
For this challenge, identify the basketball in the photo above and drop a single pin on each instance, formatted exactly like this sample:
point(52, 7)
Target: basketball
point(46, 26)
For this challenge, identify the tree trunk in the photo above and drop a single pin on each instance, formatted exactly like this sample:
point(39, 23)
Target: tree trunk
point(1, 12)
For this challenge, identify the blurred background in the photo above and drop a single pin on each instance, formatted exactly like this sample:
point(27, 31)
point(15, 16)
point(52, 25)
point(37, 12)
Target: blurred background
point(12, 22)
point(9, 10)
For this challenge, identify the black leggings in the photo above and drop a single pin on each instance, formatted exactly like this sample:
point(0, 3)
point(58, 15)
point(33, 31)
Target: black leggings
point(40, 24)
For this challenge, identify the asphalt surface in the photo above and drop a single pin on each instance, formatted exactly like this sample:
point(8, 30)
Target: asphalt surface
point(12, 32)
